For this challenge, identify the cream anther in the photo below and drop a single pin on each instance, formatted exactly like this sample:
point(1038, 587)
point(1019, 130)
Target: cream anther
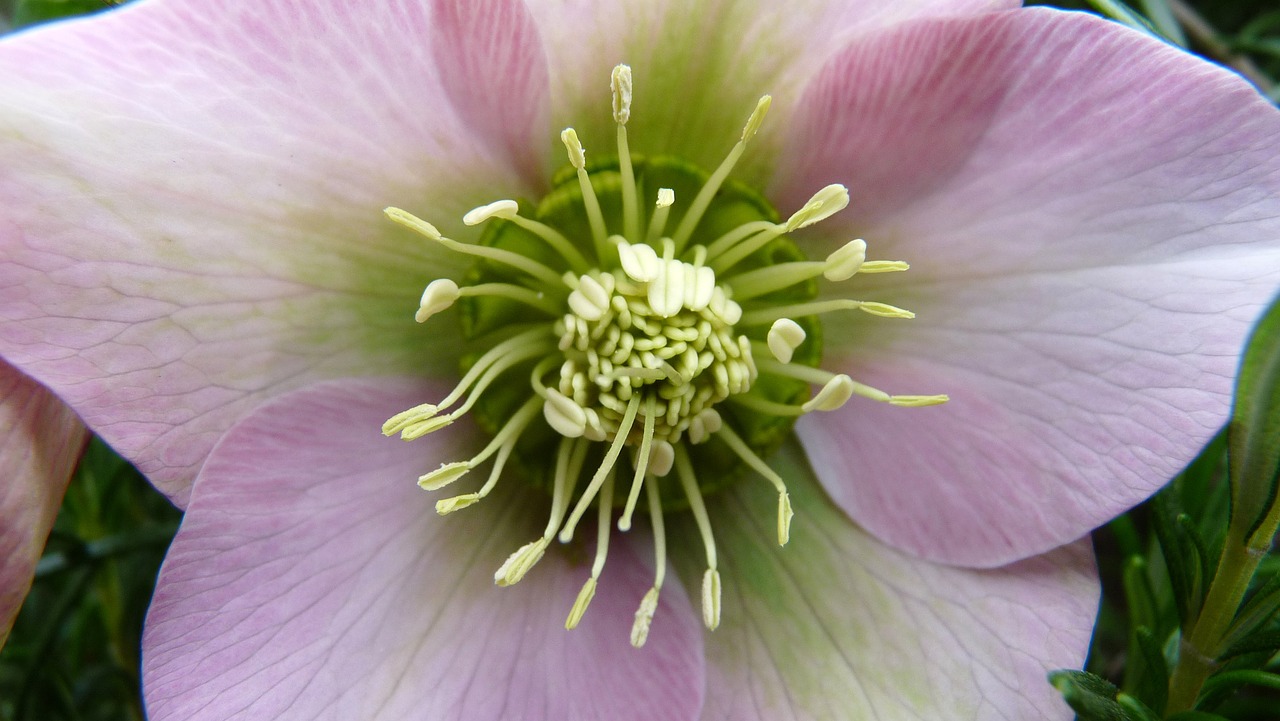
point(666, 291)
point(640, 261)
point(704, 425)
point(439, 295)
point(824, 204)
point(448, 505)
point(520, 562)
point(580, 604)
point(564, 415)
point(884, 266)
point(666, 197)
point(444, 475)
point(577, 156)
point(496, 209)
point(845, 262)
point(711, 598)
point(785, 335)
point(834, 394)
point(884, 310)
point(785, 514)
point(661, 457)
point(591, 300)
point(620, 83)
point(918, 401)
point(644, 618)
point(757, 117)
point(413, 222)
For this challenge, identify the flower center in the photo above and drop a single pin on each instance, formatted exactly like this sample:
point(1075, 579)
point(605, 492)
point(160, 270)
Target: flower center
point(644, 349)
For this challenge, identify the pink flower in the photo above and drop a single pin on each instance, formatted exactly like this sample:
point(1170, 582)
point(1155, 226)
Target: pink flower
point(195, 261)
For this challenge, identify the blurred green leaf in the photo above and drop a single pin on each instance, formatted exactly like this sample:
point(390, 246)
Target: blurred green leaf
point(1095, 699)
point(34, 12)
point(1253, 435)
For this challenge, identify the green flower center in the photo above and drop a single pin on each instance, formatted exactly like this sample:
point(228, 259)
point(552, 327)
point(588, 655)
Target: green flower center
point(669, 349)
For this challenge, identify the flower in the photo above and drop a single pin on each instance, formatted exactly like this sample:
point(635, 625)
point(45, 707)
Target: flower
point(195, 261)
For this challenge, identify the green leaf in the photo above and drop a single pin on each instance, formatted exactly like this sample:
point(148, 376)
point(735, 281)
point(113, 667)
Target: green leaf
point(1094, 698)
point(1197, 716)
point(1266, 641)
point(34, 12)
point(1147, 673)
point(1219, 687)
point(1253, 436)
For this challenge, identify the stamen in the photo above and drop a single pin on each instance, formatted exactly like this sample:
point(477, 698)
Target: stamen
point(644, 615)
point(509, 210)
point(658, 223)
point(840, 265)
point(500, 366)
point(522, 560)
point(610, 458)
point(620, 82)
point(785, 335)
point(497, 255)
point(769, 315)
point(642, 462)
point(523, 346)
point(450, 472)
point(577, 158)
point(824, 204)
point(817, 376)
point(711, 579)
point(749, 457)
point(703, 200)
point(603, 529)
point(639, 261)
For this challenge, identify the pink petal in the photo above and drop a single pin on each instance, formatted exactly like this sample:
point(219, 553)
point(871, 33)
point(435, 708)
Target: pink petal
point(837, 625)
point(1091, 218)
point(699, 67)
point(38, 451)
point(193, 200)
point(311, 579)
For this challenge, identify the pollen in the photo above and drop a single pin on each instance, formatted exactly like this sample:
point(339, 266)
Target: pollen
point(613, 348)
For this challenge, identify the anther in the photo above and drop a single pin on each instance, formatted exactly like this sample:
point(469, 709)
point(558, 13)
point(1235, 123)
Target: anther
point(620, 84)
point(711, 598)
point(444, 475)
point(824, 204)
point(785, 335)
point(833, 395)
point(439, 295)
point(564, 414)
point(662, 209)
point(844, 263)
point(649, 604)
point(603, 528)
point(505, 209)
point(639, 261)
point(520, 562)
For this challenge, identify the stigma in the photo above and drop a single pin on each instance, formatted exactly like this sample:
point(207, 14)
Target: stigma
point(634, 355)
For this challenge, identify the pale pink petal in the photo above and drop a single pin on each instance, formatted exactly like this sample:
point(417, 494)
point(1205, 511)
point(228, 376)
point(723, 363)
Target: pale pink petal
point(837, 625)
point(1091, 220)
point(193, 200)
point(39, 449)
point(311, 579)
point(699, 67)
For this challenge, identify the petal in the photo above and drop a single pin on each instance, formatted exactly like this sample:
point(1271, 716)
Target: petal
point(837, 625)
point(1091, 218)
point(311, 579)
point(700, 66)
point(38, 452)
point(193, 201)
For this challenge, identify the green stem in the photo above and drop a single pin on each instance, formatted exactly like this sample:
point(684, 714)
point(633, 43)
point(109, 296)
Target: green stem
point(1197, 659)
